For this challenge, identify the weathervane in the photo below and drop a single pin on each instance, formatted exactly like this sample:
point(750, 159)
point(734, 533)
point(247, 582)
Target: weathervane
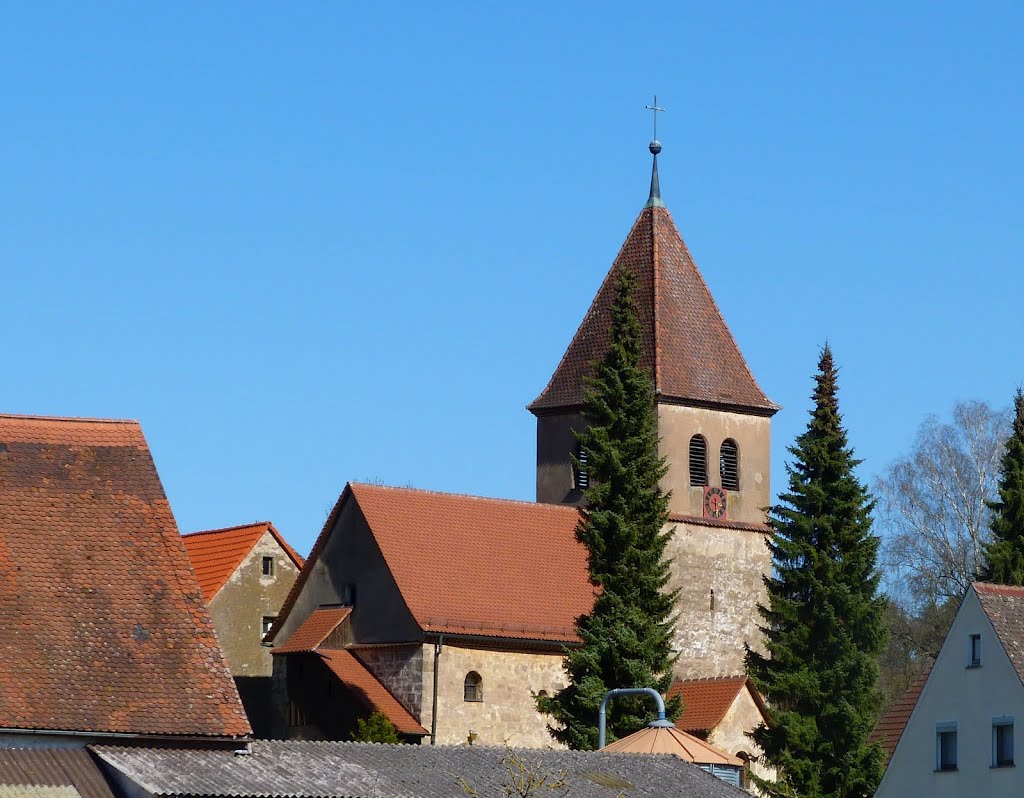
point(654, 199)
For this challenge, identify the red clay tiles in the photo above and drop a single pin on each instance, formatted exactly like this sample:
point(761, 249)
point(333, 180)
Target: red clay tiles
point(1004, 606)
point(104, 626)
point(705, 701)
point(314, 630)
point(216, 553)
point(688, 348)
point(891, 725)
point(357, 678)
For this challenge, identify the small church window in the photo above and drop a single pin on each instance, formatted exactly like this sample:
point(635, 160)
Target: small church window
point(582, 477)
point(729, 464)
point(268, 566)
point(268, 622)
point(698, 461)
point(474, 687)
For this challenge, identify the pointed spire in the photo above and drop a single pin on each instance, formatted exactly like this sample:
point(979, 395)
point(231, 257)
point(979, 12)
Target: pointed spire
point(654, 200)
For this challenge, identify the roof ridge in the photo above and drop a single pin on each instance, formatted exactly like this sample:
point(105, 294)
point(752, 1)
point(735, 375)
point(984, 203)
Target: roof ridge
point(76, 419)
point(556, 507)
point(225, 529)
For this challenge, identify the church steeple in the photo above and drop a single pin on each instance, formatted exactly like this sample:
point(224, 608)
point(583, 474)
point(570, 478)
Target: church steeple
point(654, 200)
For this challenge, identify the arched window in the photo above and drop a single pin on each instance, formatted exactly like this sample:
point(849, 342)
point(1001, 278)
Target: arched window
point(745, 773)
point(474, 687)
point(729, 464)
point(698, 461)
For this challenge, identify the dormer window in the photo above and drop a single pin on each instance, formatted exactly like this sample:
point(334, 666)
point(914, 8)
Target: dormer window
point(268, 566)
point(582, 477)
point(698, 461)
point(729, 464)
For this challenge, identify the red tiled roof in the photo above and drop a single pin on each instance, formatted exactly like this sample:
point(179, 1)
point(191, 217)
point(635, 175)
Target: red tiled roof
point(890, 726)
point(1004, 606)
point(718, 522)
point(216, 553)
point(104, 626)
point(314, 630)
point(357, 678)
point(688, 349)
point(474, 566)
point(705, 701)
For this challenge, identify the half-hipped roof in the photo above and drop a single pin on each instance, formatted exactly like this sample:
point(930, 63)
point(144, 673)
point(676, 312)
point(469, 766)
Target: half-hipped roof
point(217, 553)
point(473, 566)
point(104, 626)
point(688, 348)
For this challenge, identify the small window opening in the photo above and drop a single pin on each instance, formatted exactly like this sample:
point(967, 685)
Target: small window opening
point(268, 622)
point(542, 694)
point(745, 773)
point(582, 476)
point(946, 745)
point(1002, 743)
point(348, 595)
point(268, 566)
point(474, 687)
point(975, 655)
point(729, 464)
point(712, 600)
point(698, 461)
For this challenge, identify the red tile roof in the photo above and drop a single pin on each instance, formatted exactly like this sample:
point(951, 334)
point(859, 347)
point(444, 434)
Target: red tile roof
point(688, 349)
point(314, 630)
point(357, 678)
point(474, 566)
point(705, 701)
point(1004, 606)
point(104, 626)
point(890, 727)
point(217, 553)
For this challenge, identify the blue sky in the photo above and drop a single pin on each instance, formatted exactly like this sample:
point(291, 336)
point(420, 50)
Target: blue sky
point(319, 242)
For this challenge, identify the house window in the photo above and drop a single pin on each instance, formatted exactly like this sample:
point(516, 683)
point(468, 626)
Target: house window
point(698, 461)
point(582, 477)
point(348, 595)
point(1002, 742)
point(975, 652)
point(268, 566)
point(945, 746)
point(729, 464)
point(744, 757)
point(268, 621)
point(474, 687)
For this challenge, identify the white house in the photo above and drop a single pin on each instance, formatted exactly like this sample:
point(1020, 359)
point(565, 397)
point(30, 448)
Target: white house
point(960, 737)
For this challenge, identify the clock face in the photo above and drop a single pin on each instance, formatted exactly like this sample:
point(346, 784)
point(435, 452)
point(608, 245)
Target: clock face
point(714, 503)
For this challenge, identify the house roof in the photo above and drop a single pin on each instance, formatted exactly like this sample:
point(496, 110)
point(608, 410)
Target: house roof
point(705, 701)
point(314, 630)
point(300, 769)
point(688, 349)
point(890, 726)
point(354, 675)
point(671, 740)
point(1004, 606)
point(473, 566)
point(217, 553)
point(51, 773)
point(105, 629)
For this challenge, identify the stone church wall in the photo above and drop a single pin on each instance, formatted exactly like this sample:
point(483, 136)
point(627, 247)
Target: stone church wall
point(398, 668)
point(507, 713)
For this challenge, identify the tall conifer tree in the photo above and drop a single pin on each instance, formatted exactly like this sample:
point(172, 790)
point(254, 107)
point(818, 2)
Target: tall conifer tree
point(627, 637)
point(823, 624)
point(1004, 554)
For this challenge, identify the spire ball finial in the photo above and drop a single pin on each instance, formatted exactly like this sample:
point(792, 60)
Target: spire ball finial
point(654, 147)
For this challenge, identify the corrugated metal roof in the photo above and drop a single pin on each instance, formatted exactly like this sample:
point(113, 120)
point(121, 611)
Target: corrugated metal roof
point(298, 769)
point(50, 773)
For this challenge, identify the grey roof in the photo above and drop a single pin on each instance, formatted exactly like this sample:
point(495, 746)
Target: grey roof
point(50, 773)
point(363, 770)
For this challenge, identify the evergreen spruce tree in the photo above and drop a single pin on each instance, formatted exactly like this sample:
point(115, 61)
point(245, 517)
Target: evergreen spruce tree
point(626, 639)
point(823, 625)
point(1004, 554)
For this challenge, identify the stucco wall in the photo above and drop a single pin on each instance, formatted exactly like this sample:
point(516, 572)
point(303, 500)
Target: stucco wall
point(731, 733)
point(971, 697)
point(730, 562)
point(240, 605)
point(508, 711)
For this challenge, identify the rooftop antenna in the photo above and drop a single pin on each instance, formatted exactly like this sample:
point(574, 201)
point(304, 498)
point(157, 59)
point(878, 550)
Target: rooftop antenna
point(654, 200)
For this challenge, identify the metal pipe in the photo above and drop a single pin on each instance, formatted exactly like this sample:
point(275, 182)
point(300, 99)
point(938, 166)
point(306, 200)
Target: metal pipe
point(438, 645)
point(660, 722)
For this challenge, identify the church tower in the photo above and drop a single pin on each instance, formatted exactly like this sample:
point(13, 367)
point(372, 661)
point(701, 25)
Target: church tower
point(714, 425)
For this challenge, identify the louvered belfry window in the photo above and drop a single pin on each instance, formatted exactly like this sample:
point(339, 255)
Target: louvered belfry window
point(698, 461)
point(729, 464)
point(582, 477)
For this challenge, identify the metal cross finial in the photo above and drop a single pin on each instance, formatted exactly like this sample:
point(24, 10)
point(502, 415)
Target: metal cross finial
point(654, 110)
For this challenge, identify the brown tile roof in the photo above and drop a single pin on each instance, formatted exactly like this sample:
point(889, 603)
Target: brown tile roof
point(314, 630)
point(688, 349)
point(357, 678)
point(890, 726)
point(718, 522)
point(104, 626)
point(474, 566)
point(705, 701)
point(1004, 606)
point(216, 553)
point(27, 772)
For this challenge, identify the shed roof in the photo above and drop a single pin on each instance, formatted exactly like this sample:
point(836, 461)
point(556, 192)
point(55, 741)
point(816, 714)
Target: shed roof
point(105, 628)
point(314, 630)
point(51, 773)
point(354, 675)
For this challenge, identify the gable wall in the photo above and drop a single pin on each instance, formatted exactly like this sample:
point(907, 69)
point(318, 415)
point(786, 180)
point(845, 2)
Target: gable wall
point(731, 733)
point(972, 697)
